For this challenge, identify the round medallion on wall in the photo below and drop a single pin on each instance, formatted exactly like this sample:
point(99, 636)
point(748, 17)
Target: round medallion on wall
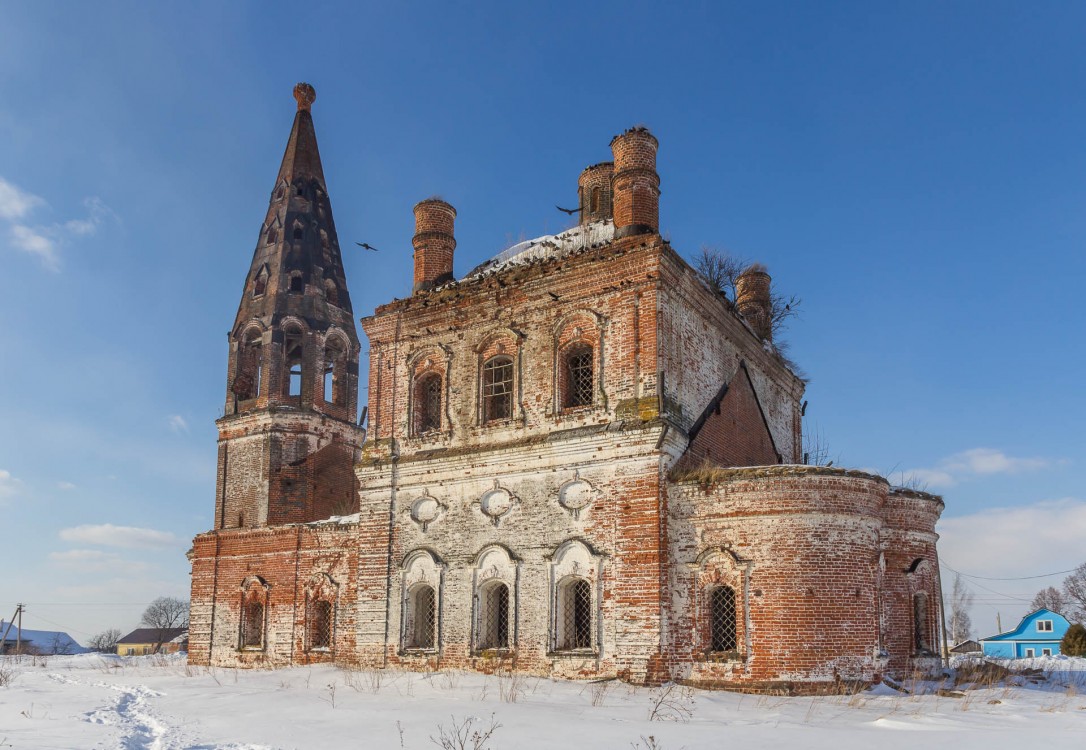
point(496, 503)
point(425, 511)
point(576, 495)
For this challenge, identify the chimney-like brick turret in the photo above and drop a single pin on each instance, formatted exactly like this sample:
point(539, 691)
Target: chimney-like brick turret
point(434, 243)
point(752, 299)
point(635, 188)
point(594, 188)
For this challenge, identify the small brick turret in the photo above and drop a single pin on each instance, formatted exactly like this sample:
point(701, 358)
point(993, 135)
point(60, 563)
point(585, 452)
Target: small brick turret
point(635, 186)
point(752, 299)
point(434, 243)
point(594, 188)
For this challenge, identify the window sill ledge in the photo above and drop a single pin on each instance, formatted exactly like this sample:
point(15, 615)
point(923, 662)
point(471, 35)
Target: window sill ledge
point(723, 657)
point(574, 653)
point(418, 652)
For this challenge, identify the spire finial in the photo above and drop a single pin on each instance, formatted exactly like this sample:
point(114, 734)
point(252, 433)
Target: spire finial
point(305, 95)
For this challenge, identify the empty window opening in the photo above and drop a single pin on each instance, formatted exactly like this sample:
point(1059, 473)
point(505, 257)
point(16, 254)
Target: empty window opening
point(722, 619)
point(335, 373)
point(497, 388)
point(252, 623)
point(320, 624)
point(295, 380)
point(260, 285)
point(297, 283)
point(422, 617)
point(299, 233)
point(273, 235)
point(578, 376)
point(292, 347)
point(428, 403)
point(494, 616)
point(920, 623)
point(574, 613)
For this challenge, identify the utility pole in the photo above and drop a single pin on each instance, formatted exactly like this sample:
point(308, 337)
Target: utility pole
point(4, 637)
point(999, 628)
point(19, 632)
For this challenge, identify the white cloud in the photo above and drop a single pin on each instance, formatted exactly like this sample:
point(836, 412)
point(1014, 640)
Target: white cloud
point(42, 240)
point(118, 536)
point(65, 486)
point(178, 424)
point(92, 561)
point(1016, 541)
point(974, 462)
point(16, 203)
point(9, 485)
point(35, 240)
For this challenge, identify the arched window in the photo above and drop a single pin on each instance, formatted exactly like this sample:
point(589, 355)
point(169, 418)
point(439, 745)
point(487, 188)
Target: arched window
point(273, 235)
point(299, 232)
point(252, 618)
point(320, 623)
point(722, 619)
point(421, 623)
point(293, 350)
point(573, 610)
point(497, 388)
point(493, 616)
point(297, 283)
point(427, 403)
point(921, 641)
point(250, 361)
point(335, 373)
point(577, 376)
point(595, 200)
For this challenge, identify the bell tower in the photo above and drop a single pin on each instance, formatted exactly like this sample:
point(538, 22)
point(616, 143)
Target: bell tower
point(288, 439)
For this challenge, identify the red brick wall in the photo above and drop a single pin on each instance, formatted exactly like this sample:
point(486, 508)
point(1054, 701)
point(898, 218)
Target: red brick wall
point(290, 560)
point(734, 433)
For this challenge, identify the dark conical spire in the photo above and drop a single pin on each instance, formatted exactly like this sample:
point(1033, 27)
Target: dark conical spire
point(302, 158)
point(296, 281)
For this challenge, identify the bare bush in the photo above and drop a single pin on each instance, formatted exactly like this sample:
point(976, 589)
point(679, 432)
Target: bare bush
point(105, 642)
point(671, 703)
point(598, 690)
point(649, 743)
point(8, 673)
point(463, 735)
point(510, 684)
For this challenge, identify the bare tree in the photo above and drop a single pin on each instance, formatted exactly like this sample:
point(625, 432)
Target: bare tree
point(961, 599)
point(106, 641)
point(1074, 593)
point(164, 614)
point(1050, 598)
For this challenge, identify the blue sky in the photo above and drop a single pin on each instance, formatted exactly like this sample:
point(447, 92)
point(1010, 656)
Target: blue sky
point(914, 171)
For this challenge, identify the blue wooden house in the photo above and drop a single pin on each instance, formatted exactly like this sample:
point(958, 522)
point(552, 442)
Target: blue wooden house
point(1038, 634)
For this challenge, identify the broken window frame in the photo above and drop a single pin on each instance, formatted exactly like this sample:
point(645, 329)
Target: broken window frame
point(496, 383)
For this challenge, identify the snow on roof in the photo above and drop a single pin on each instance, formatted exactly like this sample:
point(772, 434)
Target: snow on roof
point(548, 246)
point(46, 641)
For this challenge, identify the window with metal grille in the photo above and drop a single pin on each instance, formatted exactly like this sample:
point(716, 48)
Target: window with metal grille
point(494, 616)
point(722, 619)
point(578, 377)
point(428, 403)
point(920, 622)
point(252, 623)
point(320, 623)
point(422, 617)
point(574, 615)
point(497, 388)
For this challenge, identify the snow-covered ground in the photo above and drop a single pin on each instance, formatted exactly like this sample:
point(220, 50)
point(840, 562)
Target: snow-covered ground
point(91, 701)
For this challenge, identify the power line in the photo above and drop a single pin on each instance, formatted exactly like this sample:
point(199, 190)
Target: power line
point(1022, 577)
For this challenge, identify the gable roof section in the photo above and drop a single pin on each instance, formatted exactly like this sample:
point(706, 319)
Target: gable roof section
point(1060, 626)
point(733, 430)
point(152, 635)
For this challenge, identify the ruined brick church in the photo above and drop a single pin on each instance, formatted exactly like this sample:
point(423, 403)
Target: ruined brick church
point(579, 461)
